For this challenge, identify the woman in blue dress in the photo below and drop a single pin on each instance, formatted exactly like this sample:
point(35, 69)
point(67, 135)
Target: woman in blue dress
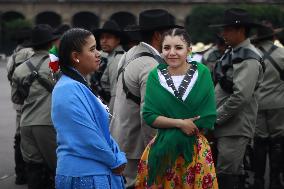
point(87, 155)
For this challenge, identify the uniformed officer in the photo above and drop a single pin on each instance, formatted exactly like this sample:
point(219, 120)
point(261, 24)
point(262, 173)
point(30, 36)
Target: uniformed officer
point(270, 119)
point(238, 76)
point(20, 55)
point(109, 36)
point(38, 137)
point(211, 56)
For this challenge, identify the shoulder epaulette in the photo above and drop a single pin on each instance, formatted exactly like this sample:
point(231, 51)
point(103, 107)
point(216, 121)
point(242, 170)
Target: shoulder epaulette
point(118, 52)
point(244, 54)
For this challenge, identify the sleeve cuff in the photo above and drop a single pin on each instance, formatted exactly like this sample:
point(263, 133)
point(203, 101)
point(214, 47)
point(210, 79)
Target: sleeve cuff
point(120, 159)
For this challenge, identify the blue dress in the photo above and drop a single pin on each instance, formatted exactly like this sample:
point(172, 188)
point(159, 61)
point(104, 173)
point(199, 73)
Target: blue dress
point(86, 152)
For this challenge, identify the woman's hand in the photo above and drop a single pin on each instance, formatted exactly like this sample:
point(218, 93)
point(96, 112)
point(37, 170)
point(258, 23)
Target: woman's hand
point(118, 170)
point(187, 125)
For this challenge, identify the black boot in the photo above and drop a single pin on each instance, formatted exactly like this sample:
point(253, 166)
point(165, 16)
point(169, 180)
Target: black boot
point(258, 184)
point(282, 167)
point(35, 176)
point(20, 165)
point(275, 153)
point(230, 181)
point(260, 151)
point(248, 171)
point(48, 178)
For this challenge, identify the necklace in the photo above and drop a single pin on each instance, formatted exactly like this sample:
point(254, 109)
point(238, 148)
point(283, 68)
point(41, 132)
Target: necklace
point(184, 84)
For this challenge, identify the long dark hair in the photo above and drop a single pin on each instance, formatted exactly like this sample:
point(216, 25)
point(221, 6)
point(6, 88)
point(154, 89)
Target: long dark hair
point(72, 40)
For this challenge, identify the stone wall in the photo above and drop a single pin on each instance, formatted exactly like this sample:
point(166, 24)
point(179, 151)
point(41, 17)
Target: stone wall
point(105, 8)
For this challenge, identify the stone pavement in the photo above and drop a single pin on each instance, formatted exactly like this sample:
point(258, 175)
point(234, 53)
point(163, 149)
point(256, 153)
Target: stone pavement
point(7, 128)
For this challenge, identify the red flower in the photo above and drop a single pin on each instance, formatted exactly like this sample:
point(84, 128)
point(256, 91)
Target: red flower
point(209, 158)
point(140, 167)
point(198, 168)
point(190, 176)
point(207, 181)
point(54, 66)
point(199, 143)
point(176, 180)
point(170, 174)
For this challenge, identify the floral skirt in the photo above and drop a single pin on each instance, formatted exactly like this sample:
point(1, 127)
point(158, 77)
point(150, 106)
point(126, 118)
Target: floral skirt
point(199, 174)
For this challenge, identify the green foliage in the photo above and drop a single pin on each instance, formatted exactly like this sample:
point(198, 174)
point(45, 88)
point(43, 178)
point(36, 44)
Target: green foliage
point(267, 12)
point(10, 28)
point(199, 19)
point(17, 24)
point(202, 16)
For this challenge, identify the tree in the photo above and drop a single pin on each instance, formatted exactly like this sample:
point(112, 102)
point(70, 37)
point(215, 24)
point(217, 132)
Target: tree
point(9, 33)
point(202, 16)
point(11, 27)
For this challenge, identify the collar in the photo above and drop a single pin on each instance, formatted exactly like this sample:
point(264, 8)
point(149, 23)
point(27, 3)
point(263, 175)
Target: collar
point(72, 68)
point(152, 48)
point(245, 43)
point(18, 48)
point(116, 49)
point(265, 42)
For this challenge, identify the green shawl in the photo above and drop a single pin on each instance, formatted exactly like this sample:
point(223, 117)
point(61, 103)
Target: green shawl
point(170, 143)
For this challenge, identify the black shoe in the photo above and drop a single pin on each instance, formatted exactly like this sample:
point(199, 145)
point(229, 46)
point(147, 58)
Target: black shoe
point(230, 181)
point(258, 184)
point(275, 155)
point(20, 180)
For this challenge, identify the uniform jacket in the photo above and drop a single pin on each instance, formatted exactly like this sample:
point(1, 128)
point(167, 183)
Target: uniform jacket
point(272, 88)
point(36, 107)
point(109, 77)
point(236, 113)
point(210, 57)
point(127, 125)
point(20, 55)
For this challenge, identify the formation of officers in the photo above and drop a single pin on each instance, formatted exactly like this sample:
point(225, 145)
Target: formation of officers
point(248, 73)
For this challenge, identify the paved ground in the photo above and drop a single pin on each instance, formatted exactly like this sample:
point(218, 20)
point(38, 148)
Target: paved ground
point(7, 130)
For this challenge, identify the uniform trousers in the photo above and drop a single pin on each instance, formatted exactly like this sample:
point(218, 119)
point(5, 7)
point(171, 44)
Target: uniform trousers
point(231, 152)
point(130, 172)
point(270, 123)
point(268, 140)
point(38, 145)
point(20, 165)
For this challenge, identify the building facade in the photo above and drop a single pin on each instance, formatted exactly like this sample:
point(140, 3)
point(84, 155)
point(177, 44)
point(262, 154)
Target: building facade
point(91, 14)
